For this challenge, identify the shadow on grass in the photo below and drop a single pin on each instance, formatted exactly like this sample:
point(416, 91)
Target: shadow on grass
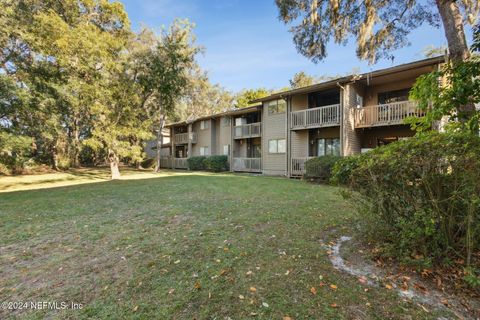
point(84, 178)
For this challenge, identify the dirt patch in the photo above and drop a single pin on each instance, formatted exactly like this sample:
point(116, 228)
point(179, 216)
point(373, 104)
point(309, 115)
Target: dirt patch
point(345, 256)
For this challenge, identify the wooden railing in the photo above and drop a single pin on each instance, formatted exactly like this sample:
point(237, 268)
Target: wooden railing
point(386, 114)
point(316, 117)
point(166, 162)
point(182, 138)
point(247, 164)
point(298, 166)
point(180, 163)
point(251, 130)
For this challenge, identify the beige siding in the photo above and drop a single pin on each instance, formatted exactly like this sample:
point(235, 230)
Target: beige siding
point(351, 143)
point(299, 144)
point(223, 137)
point(370, 136)
point(204, 138)
point(299, 102)
point(274, 127)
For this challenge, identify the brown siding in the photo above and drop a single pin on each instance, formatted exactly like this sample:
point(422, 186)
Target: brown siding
point(274, 127)
point(351, 139)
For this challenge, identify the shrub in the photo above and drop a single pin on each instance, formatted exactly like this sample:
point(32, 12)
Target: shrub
point(420, 198)
point(196, 163)
point(343, 168)
point(147, 163)
point(216, 163)
point(320, 168)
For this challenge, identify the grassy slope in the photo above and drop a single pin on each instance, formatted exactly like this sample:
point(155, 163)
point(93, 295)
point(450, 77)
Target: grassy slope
point(136, 249)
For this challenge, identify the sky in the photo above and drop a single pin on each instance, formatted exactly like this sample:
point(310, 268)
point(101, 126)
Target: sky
point(247, 46)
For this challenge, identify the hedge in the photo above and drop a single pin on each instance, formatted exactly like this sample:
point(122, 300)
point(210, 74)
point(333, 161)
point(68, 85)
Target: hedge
point(196, 163)
point(419, 199)
point(320, 168)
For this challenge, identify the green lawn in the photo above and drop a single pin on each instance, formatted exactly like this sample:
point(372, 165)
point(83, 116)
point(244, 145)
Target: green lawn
point(182, 246)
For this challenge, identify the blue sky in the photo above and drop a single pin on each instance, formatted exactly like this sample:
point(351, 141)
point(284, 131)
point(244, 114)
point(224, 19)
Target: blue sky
point(246, 46)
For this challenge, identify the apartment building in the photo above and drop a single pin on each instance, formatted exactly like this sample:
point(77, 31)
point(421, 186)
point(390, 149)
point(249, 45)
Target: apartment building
point(281, 132)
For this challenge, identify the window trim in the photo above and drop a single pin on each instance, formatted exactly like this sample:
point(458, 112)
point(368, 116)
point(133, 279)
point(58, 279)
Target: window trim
point(269, 104)
point(277, 139)
point(204, 148)
point(204, 124)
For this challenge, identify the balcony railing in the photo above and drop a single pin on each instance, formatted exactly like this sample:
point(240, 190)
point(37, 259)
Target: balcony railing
point(298, 166)
point(326, 116)
point(386, 114)
point(247, 164)
point(251, 130)
point(180, 163)
point(182, 138)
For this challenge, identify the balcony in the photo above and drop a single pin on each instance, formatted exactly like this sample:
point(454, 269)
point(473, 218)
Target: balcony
point(298, 166)
point(251, 130)
point(247, 164)
point(386, 114)
point(327, 116)
point(182, 138)
point(173, 163)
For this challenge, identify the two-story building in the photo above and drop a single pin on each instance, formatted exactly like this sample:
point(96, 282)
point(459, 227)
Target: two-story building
point(282, 131)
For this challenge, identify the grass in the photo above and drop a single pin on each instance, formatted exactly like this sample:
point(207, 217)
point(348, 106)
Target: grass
point(181, 246)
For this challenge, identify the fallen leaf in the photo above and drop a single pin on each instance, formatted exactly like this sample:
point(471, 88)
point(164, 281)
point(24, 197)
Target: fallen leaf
point(313, 290)
point(209, 295)
point(253, 314)
point(363, 279)
point(388, 286)
point(287, 318)
point(135, 309)
point(177, 262)
point(287, 273)
point(198, 286)
point(265, 304)
point(171, 291)
point(226, 249)
point(334, 287)
point(249, 272)
point(333, 305)
point(241, 297)
point(253, 289)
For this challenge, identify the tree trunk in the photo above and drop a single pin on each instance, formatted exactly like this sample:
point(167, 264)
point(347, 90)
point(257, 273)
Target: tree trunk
point(453, 27)
point(54, 157)
point(76, 144)
point(457, 45)
point(159, 141)
point(113, 159)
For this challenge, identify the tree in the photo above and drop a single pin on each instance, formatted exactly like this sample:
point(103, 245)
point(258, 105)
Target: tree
point(244, 97)
point(166, 75)
point(379, 26)
point(201, 97)
point(461, 87)
point(301, 79)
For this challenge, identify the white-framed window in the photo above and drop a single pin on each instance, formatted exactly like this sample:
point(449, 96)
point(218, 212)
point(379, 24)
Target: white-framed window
point(277, 146)
point(277, 106)
point(329, 146)
point(204, 124)
point(204, 151)
point(226, 149)
point(226, 121)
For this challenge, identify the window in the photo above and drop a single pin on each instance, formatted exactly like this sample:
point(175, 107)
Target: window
point(226, 150)
point(277, 146)
point(328, 147)
point(204, 124)
point(393, 96)
point(225, 121)
point(204, 151)
point(277, 106)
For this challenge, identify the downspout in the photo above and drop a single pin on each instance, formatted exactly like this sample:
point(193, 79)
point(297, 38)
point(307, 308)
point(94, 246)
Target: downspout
point(288, 135)
point(342, 101)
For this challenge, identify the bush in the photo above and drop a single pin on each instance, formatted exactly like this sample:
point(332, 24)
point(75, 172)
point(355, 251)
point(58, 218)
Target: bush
point(320, 168)
point(420, 198)
point(196, 163)
point(216, 163)
point(147, 163)
point(343, 168)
